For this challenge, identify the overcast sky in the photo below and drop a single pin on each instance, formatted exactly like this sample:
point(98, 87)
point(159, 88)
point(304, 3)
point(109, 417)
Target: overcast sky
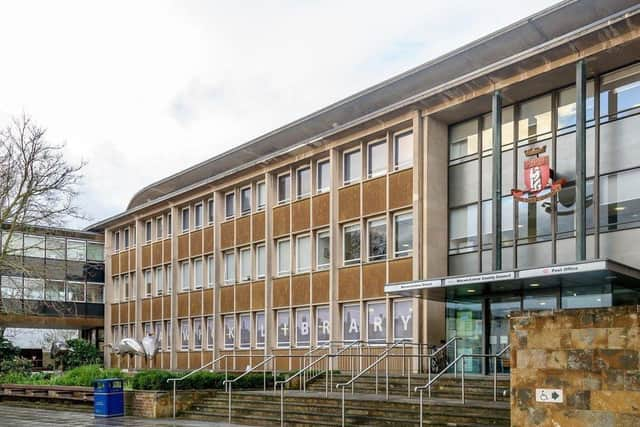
point(143, 89)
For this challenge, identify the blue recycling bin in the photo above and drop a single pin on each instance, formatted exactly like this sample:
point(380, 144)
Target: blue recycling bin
point(108, 397)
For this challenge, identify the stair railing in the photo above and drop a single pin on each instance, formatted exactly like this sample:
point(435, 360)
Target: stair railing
point(302, 375)
point(175, 380)
point(335, 358)
point(229, 383)
point(373, 365)
point(495, 369)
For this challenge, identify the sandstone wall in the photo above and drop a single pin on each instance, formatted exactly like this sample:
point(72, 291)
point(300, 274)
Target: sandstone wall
point(591, 354)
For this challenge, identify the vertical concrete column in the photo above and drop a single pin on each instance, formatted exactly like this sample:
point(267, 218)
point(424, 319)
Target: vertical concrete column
point(270, 266)
point(419, 308)
point(108, 297)
point(136, 288)
point(218, 262)
point(581, 161)
point(435, 218)
point(334, 239)
point(174, 285)
point(496, 183)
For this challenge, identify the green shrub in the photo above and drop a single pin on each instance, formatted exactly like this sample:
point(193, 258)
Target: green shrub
point(84, 353)
point(85, 376)
point(16, 364)
point(203, 380)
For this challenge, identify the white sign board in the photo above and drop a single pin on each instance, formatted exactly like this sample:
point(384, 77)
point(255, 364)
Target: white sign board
point(549, 395)
point(481, 278)
point(408, 286)
point(563, 269)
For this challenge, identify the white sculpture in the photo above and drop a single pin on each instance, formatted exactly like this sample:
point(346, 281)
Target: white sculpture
point(151, 345)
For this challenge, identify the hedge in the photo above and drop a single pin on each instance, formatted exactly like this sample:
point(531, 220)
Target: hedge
point(83, 376)
point(157, 380)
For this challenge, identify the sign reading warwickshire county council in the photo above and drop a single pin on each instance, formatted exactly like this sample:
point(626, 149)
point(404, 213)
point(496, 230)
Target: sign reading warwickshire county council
point(538, 176)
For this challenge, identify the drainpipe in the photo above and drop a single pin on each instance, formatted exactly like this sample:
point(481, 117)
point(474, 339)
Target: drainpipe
point(581, 160)
point(496, 123)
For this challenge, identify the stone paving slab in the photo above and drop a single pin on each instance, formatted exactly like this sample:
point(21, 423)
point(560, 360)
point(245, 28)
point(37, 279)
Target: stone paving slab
point(17, 416)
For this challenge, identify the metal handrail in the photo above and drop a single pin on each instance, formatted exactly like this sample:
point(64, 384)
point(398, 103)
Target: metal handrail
point(383, 356)
point(282, 383)
point(461, 358)
point(175, 380)
point(228, 383)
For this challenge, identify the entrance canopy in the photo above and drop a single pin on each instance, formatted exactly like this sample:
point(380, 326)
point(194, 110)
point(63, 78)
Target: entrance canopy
point(584, 273)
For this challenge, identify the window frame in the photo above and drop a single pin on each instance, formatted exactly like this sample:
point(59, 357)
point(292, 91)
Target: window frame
point(185, 286)
point(169, 225)
point(196, 207)
point(183, 346)
point(257, 259)
point(259, 345)
point(148, 231)
point(317, 243)
point(226, 278)
point(383, 220)
point(198, 261)
point(115, 242)
point(244, 212)
point(210, 211)
point(370, 144)
point(396, 253)
point(159, 227)
point(300, 195)
point(346, 153)
point(321, 190)
point(354, 261)
point(280, 344)
point(241, 251)
point(260, 207)
point(226, 204)
point(126, 239)
point(278, 271)
point(211, 268)
point(395, 137)
point(148, 284)
point(241, 345)
point(159, 290)
point(193, 330)
point(182, 218)
point(309, 266)
point(288, 196)
point(225, 345)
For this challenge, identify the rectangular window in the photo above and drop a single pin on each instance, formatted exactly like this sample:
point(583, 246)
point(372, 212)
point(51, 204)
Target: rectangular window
point(245, 264)
point(126, 238)
point(115, 243)
point(95, 293)
point(198, 273)
point(168, 334)
point(76, 250)
point(34, 246)
point(376, 322)
point(210, 332)
point(284, 257)
point(147, 283)
point(284, 188)
point(261, 261)
point(303, 327)
point(535, 118)
point(184, 275)
point(147, 231)
point(229, 205)
point(95, 252)
point(284, 333)
point(351, 322)
point(75, 291)
point(323, 250)
point(169, 280)
point(463, 139)
point(54, 289)
point(463, 228)
point(147, 328)
point(245, 201)
point(377, 237)
point(403, 234)
point(303, 182)
point(34, 289)
point(403, 150)
point(116, 289)
point(159, 228)
point(229, 323)
point(125, 287)
point(351, 244)
point(55, 246)
point(184, 334)
point(323, 183)
point(229, 267)
point(169, 225)
point(159, 281)
point(323, 331)
point(185, 220)
point(303, 254)
point(197, 334)
point(620, 93)
point(260, 330)
point(245, 330)
point(377, 159)
point(157, 331)
point(210, 271)
point(261, 195)
point(198, 215)
point(402, 320)
point(210, 211)
point(352, 169)
point(620, 200)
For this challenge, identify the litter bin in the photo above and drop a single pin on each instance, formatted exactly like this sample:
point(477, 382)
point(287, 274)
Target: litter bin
point(108, 398)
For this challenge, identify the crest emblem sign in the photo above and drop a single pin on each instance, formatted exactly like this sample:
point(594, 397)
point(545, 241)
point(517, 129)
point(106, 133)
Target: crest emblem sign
point(537, 177)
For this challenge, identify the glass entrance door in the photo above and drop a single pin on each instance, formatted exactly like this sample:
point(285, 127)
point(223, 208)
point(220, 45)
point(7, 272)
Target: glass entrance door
point(499, 310)
point(465, 320)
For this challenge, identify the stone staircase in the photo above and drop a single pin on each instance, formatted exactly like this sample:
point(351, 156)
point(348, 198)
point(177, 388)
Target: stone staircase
point(364, 407)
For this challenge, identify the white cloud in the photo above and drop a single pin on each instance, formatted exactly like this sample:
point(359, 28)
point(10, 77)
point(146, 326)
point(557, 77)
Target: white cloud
point(143, 89)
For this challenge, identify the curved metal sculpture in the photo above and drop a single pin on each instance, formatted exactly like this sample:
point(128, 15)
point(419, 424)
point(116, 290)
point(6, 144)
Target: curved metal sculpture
point(130, 347)
point(151, 345)
point(59, 348)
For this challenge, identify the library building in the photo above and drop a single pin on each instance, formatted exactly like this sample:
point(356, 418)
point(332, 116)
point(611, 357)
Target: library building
point(486, 202)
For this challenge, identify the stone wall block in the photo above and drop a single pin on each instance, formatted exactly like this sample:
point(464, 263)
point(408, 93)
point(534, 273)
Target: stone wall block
point(624, 402)
point(580, 359)
point(589, 338)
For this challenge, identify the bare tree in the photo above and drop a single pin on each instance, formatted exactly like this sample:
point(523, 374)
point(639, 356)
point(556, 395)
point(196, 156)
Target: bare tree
point(38, 188)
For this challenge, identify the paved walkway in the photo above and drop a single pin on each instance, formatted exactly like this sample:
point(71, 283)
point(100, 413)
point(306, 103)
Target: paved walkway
point(16, 416)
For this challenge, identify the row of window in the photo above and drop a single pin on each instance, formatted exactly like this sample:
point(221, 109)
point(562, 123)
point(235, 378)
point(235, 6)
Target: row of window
point(51, 247)
point(27, 288)
point(247, 330)
point(619, 96)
